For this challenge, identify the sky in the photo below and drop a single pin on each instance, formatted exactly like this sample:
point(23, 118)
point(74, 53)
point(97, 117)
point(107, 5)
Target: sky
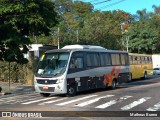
point(130, 6)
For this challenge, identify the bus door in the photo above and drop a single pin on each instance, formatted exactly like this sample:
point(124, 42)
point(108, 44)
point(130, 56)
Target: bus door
point(77, 69)
point(92, 65)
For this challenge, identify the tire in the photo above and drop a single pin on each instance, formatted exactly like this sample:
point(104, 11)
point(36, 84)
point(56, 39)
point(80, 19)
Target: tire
point(71, 90)
point(130, 77)
point(45, 94)
point(0, 89)
point(145, 75)
point(113, 85)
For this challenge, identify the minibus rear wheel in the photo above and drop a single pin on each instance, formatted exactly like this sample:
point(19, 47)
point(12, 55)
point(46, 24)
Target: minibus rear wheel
point(130, 78)
point(45, 94)
point(114, 83)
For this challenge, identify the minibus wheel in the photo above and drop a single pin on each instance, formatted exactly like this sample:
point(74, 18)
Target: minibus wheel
point(113, 84)
point(45, 94)
point(71, 90)
point(130, 78)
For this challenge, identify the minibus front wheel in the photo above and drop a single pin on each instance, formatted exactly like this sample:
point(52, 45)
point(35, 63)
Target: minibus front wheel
point(71, 90)
point(45, 94)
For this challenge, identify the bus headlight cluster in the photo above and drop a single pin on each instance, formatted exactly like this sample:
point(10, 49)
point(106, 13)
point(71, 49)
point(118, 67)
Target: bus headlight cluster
point(60, 80)
point(35, 81)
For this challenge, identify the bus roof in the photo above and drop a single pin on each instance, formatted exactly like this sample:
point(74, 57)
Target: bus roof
point(137, 54)
point(83, 47)
point(69, 48)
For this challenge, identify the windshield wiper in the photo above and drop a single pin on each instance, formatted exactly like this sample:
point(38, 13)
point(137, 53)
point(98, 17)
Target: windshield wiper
point(45, 76)
point(56, 74)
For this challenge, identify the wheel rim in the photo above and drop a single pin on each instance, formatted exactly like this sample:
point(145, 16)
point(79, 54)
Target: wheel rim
point(145, 76)
point(71, 90)
point(130, 77)
point(113, 84)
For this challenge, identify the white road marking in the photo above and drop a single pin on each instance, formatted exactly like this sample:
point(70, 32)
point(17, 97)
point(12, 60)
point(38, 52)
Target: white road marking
point(24, 100)
point(38, 100)
point(155, 107)
point(4, 102)
point(92, 101)
point(52, 101)
point(12, 97)
point(135, 103)
point(112, 102)
point(68, 102)
point(16, 99)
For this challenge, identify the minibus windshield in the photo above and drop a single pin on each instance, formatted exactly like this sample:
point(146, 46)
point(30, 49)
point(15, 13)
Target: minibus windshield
point(52, 64)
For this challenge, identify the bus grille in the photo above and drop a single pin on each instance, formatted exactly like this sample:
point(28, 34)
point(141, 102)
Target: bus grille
point(46, 81)
point(50, 89)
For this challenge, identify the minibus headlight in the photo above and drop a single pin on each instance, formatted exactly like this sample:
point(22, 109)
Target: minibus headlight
point(35, 81)
point(60, 80)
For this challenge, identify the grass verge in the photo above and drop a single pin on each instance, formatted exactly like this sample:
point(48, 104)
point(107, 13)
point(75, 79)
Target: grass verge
point(7, 90)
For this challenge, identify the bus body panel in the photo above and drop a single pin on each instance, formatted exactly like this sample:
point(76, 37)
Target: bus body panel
point(46, 85)
point(86, 78)
point(98, 77)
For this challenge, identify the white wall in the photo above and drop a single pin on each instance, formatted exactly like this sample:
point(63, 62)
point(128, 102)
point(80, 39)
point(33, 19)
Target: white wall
point(35, 49)
point(156, 60)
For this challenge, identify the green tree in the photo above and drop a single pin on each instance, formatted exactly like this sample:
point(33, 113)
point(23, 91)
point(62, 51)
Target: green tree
point(155, 23)
point(103, 28)
point(72, 16)
point(143, 34)
point(21, 19)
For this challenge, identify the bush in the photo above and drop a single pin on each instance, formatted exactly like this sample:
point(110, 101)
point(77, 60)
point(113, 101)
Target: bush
point(19, 73)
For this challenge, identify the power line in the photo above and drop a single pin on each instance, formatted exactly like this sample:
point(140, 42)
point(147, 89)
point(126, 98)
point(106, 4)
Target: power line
point(104, 7)
point(101, 2)
point(17, 15)
point(92, 1)
point(104, 1)
point(95, 2)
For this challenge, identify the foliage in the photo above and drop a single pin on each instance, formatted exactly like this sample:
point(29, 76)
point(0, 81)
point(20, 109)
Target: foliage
point(144, 33)
point(23, 22)
point(19, 73)
point(19, 20)
point(79, 24)
point(27, 21)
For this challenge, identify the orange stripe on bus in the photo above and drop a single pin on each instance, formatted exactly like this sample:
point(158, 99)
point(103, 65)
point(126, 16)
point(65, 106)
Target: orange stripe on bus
point(113, 69)
point(118, 71)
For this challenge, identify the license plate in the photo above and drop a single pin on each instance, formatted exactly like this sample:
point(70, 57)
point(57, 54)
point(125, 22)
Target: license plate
point(45, 87)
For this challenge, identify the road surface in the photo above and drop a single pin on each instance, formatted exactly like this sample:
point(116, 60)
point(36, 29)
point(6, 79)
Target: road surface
point(137, 98)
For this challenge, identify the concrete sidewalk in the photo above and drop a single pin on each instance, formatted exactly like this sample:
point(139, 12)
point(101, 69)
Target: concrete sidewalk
point(16, 88)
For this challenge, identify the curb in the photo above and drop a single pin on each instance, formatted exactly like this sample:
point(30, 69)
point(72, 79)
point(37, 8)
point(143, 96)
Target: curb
point(18, 91)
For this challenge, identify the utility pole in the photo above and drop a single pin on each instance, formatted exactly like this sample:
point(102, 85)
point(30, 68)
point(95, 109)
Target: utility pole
point(127, 39)
point(77, 36)
point(58, 38)
point(34, 37)
point(9, 77)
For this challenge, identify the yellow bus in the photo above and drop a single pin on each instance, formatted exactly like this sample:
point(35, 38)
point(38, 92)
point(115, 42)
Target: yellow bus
point(140, 65)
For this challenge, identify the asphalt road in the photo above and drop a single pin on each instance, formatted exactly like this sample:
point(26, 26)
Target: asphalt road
point(137, 98)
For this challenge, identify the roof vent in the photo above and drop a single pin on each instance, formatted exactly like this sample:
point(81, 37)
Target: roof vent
point(83, 47)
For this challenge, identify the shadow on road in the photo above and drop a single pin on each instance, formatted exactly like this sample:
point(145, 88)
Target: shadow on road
point(133, 83)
